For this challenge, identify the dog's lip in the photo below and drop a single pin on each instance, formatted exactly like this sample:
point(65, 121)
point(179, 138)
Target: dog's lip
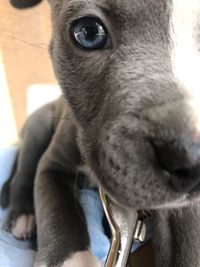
point(180, 201)
point(194, 194)
point(170, 177)
point(195, 190)
point(194, 197)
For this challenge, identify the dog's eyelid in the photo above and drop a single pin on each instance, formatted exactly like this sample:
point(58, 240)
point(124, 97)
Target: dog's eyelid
point(98, 11)
point(104, 10)
point(70, 21)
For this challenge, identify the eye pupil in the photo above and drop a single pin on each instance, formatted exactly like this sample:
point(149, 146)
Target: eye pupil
point(89, 33)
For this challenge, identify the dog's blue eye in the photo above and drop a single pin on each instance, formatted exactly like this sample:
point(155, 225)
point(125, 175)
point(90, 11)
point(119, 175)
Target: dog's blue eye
point(89, 33)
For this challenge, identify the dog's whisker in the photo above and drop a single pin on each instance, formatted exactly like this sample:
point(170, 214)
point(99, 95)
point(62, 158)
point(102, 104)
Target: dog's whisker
point(28, 43)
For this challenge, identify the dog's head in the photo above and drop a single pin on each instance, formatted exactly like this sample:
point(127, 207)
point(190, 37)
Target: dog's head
point(130, 71)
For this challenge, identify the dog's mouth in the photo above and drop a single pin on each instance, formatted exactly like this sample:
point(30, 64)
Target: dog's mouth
point(193, 197)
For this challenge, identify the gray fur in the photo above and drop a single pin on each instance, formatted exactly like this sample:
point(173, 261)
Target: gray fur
point(121, 100)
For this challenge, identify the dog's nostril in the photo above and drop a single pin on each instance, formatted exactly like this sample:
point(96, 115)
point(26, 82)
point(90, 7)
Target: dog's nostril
point(182, 161)
point(172, 157)
point(183, 173)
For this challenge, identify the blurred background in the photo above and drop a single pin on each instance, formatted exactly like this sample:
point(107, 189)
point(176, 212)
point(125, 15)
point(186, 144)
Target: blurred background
point(26, 76)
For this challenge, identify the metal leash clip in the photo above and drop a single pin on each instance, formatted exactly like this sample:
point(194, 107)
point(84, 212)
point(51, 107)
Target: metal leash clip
point(125, 228)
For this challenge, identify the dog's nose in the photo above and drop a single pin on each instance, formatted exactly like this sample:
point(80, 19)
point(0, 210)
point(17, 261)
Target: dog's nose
point(182, 161)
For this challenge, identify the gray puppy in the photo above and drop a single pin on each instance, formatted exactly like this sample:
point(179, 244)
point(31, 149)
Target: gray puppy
point(130, 120)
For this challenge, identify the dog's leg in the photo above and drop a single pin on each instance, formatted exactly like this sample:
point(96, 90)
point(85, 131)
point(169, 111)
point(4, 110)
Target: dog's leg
point(36, 136)
point(62, 234)
point(177, 237)
point(61, 228)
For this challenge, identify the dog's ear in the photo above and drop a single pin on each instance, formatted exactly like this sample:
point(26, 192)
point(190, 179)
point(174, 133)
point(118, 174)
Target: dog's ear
point(24, 3)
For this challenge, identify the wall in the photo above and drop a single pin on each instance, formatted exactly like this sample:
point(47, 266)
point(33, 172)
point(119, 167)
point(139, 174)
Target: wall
point(24, 42)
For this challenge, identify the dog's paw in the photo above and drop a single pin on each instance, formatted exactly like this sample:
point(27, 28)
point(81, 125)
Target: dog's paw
point(82, 259)
point(23, 226)
point(79, 259)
